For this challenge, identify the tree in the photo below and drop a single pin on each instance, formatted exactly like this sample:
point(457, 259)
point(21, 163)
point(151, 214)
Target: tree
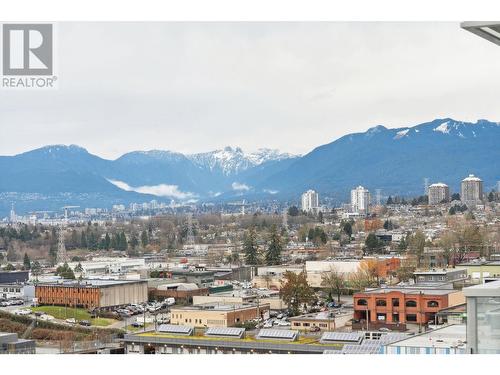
point(406, 269)
point(250, 247)
point(334, 281)
point(134, 241)
point(12, 254)
point(372, 243)
point(389, 200)
point(295, 291)
point(365, 277)
point(491, 196)
point(65, 272)
point(273, 253)
point(402, 246)
point(144, 238)
point(10, 267)
point(346, 228)
point(26, 262)
point(83, 241)
point(455, 197)
point(79, 268)
point(107, 241)
point(388, 225)
point(320, 217)
point(36, 269)
point(293, 211)
point(416, 245)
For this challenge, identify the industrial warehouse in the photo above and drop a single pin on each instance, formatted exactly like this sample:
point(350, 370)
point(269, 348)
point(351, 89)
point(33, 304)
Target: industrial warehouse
point(92, 293)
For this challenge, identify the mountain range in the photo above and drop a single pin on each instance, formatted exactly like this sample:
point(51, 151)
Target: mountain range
point(393, 160)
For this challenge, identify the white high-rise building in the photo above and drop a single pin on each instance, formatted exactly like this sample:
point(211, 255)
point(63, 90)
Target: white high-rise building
point(360, 200)
point(310, 201)
point(13, 216)
point(472, 190)
point(438, 193)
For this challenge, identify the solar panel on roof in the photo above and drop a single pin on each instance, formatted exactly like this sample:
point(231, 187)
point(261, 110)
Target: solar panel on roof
point(225, 332)
point(360, 349)
point(175, 329)
point(332, 352)
point(279, 334)
point(341, 337)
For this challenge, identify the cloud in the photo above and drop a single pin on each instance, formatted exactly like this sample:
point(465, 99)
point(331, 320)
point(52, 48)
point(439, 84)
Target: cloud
point(271, 191)
point(162, 190)
point(238, 186)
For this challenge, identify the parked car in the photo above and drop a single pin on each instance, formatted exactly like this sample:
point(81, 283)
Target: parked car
point(84, 323)
point(137, 324)
point(314, 329)
point(283, 323)
point(22, 312)
point(71, 321)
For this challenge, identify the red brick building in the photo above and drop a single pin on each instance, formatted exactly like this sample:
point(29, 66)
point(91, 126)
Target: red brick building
point(393, 306)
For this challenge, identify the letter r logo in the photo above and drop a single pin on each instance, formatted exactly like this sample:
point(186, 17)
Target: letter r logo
point(27, 49)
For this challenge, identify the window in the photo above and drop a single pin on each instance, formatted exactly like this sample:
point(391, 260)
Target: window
point(395, 302)
point(433, 304)
point(295, 324)
point(306, 324)
point(362, 302)
point(411, 303)
point(381, 302)
point(411, 317)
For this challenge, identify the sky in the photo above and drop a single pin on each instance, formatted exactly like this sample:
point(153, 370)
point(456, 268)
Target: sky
point(196, 87)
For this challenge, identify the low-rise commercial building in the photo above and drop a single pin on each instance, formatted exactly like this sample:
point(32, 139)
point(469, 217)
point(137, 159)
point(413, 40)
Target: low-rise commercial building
point(477, 270)
point(243, 296)
point(324, 321)
point(92, 293)
point(180, 291)
point(440, 276)
point(394, 307)
point(217, 315)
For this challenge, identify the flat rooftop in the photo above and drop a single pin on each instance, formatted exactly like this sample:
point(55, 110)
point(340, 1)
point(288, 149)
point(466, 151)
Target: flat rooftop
point(446, 337)
point(411, 290)
point(491, 289)
point(322, 315)
point(90, 283)
point(219, 307)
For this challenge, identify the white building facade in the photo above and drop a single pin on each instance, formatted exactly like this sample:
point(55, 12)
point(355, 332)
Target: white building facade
point(439, 193)
point(360, 200)
point(471, 190)
point(310, 201)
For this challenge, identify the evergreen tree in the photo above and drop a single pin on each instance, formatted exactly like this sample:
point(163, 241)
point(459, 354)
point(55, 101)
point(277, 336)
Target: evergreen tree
point(83, 241)
point(372, 243)
point(144, 238)
point(293, 211)
point(107, 241)
point(250, 247)
point(389, 200)
point(123, 245)
point(26, 262)
point(134, 241)
point(273, 254)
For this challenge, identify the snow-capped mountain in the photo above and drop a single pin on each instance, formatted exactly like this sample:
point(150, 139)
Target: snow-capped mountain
point(449, 127)
point(397, 160)
point(231, 161)
point(394, 160)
